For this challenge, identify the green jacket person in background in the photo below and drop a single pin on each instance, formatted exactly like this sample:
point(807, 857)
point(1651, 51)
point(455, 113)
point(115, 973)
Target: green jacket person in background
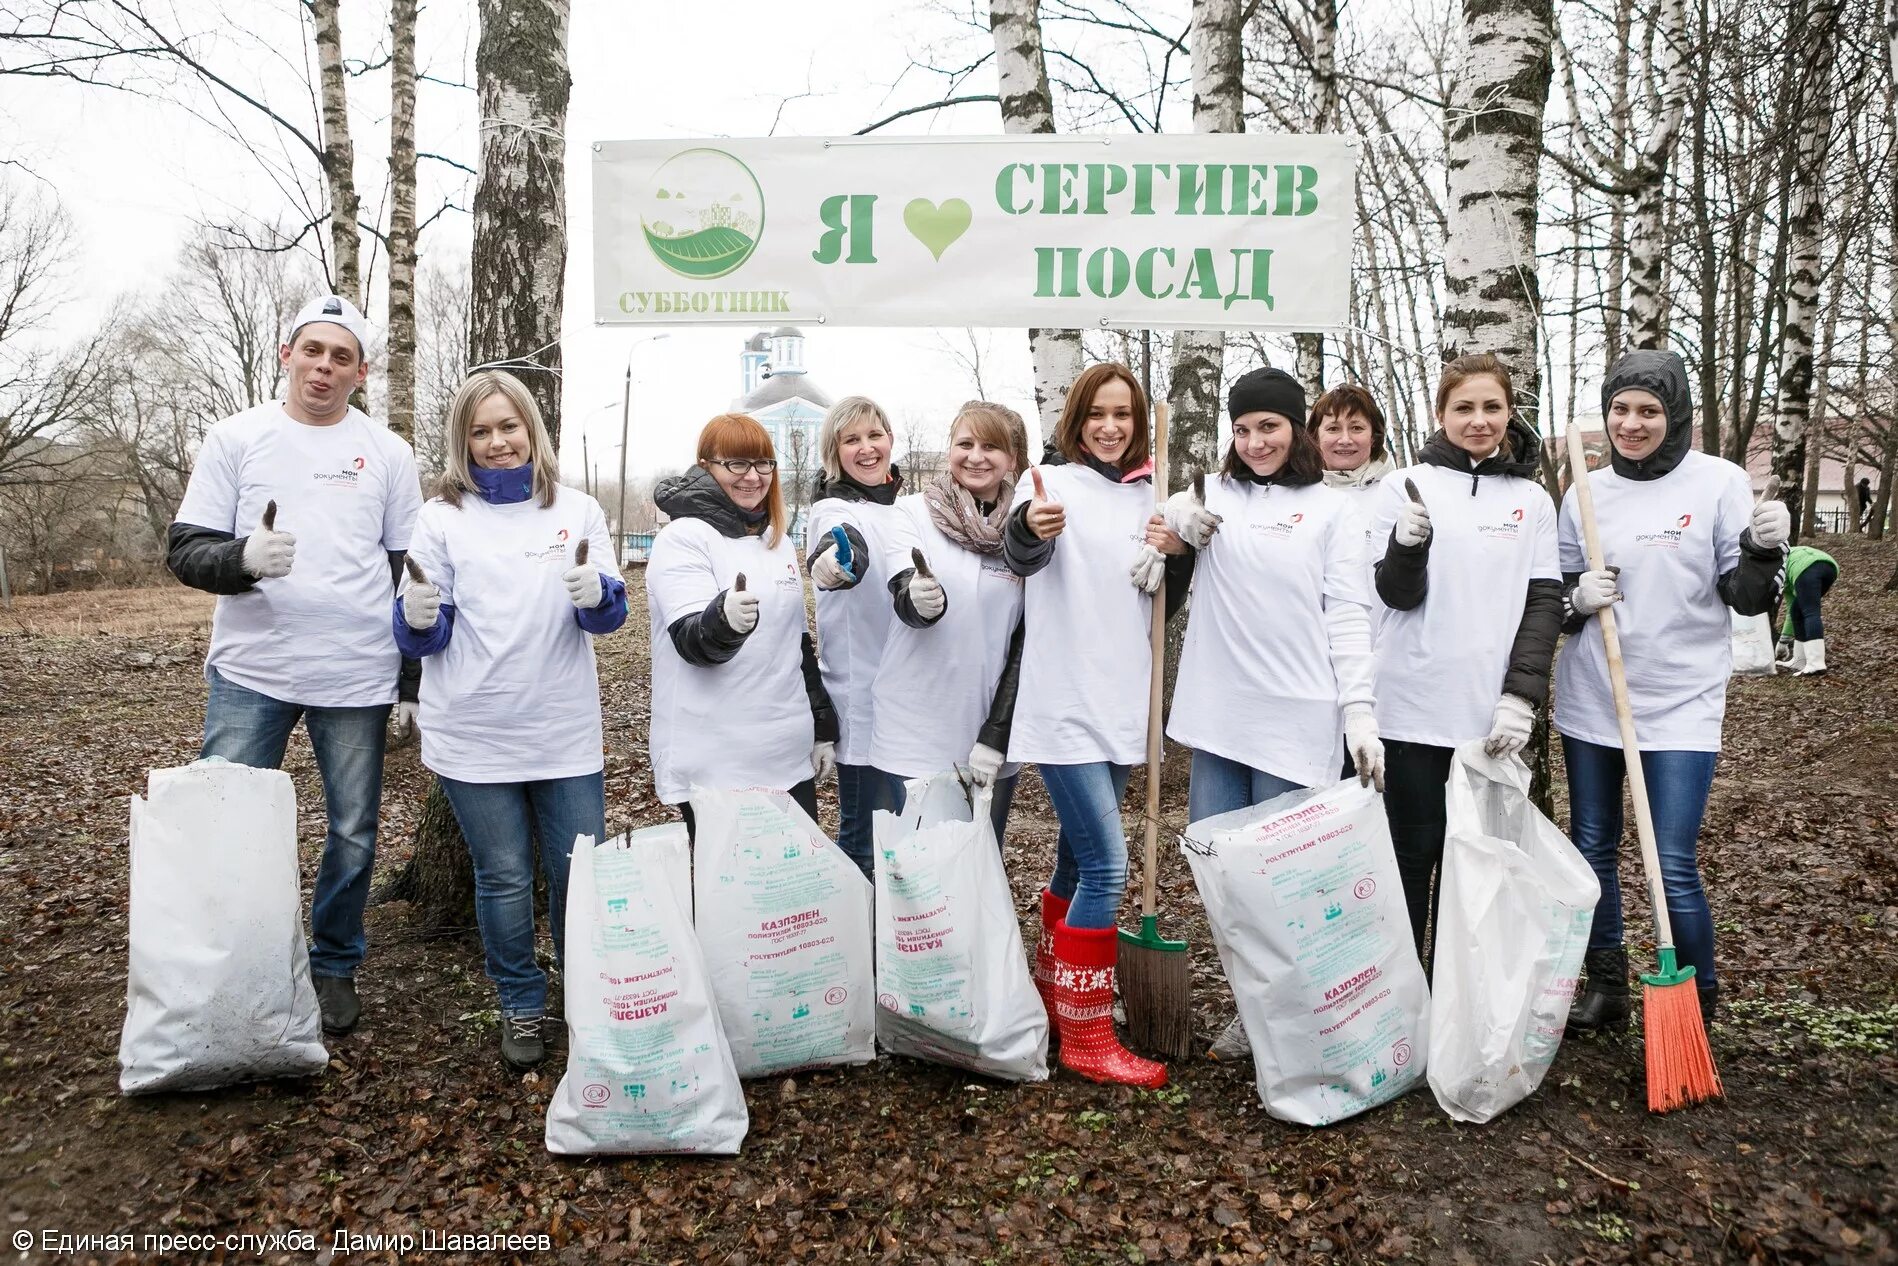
point(1809, 573)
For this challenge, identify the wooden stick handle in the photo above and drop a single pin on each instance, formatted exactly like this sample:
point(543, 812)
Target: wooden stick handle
point(1618, 682)
point(1156, 688)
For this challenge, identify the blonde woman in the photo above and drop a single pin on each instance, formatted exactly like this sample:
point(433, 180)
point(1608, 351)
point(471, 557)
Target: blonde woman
point(736, 696)
point(516, 579)
point(857, 495)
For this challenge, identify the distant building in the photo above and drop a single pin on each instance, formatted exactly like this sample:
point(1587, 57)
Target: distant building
point(780, 394)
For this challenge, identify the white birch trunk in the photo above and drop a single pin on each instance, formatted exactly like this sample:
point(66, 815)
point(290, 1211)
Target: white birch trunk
point(339, 156)
point(1027, 107)
point(401, 331)
point(1647, 244)
point(1309, 365)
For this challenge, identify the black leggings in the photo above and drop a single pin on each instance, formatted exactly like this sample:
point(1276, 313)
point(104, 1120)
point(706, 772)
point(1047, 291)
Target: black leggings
point(1807, 590)
point(1415, 775)
point(805, 793)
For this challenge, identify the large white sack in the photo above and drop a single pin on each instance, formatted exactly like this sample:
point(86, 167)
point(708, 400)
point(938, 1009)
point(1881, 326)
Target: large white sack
point(1307, 912)
point(784, 918)
point(952, 980)
point(1515, 904)
point(1752, 645)
point(648, 1067)
point(218, 989)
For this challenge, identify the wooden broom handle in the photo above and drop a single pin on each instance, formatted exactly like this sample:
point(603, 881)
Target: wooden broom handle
point(1156, 686)
point(1618, 682)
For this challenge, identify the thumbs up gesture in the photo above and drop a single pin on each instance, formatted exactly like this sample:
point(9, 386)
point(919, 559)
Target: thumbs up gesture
point(268, 553)
point(740, 607)
point(925, 591)
point(421, 601)
point(1188, 517)
point(584, 586)
point(1046, 516)
point(1413, 521)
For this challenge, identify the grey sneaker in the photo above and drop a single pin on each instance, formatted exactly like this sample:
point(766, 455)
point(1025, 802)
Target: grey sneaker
point(1232, 1046)
point(521, 1044)
point(336, 999)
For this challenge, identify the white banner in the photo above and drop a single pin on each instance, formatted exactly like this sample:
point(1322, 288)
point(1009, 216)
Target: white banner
point(1210, 231)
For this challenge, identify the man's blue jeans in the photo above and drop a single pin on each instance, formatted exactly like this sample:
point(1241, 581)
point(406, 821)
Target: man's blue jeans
point(1678, 783)
point(1090, 863)
point(500, 821)
point(861, 791)
point(248, 728)
point(1220, 786)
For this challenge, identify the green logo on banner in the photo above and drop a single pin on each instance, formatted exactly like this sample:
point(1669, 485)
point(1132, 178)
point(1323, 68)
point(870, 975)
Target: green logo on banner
point(704, 214)
point(936, 227)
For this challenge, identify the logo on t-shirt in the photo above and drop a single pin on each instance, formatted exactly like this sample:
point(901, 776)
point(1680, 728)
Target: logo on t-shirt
point(360, 462)
point(1516, 514)
point(789, 580)
point(1665, 538)
point(563, 534)
point(1510, 529)
point(555, 553)
point(1684, 520)
point(1280, 530)
point(344, 480)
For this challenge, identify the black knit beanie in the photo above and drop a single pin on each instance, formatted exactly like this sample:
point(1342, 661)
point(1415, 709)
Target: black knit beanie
point(1270, 391)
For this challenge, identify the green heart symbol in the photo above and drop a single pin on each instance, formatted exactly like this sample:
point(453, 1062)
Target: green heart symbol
point(936, 227)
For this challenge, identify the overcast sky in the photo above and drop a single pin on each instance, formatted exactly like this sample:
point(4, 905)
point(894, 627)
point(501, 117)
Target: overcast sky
point(136, 173)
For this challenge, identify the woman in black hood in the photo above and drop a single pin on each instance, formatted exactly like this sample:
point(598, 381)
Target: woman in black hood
point(1683, 543)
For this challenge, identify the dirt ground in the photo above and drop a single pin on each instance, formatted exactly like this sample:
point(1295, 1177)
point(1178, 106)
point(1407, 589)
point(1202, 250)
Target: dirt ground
point(417, 1127)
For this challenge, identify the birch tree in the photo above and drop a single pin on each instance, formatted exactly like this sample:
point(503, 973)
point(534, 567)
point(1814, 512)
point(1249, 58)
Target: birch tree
point(1027, 108)
point(338, 155)
point(1310, 354)
point(400, 363)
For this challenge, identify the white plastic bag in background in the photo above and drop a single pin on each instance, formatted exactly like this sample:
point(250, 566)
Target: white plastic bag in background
point(1307, 911)
point(218, 989)
point(1752, 645)
point(784, 917)
point(952, 980)
point(1515, 904)
point(648, 1067)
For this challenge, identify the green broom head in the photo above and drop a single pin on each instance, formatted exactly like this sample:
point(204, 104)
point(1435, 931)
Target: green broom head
point(1670, 972)
point(1148, 937)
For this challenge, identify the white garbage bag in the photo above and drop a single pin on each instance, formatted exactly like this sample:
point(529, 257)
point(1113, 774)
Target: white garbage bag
point(219, 988)
point(1307, 912)
point(1515, 904)
point(952, 981)
point(648, 1067)
point(1752, 645)
point(784, 917)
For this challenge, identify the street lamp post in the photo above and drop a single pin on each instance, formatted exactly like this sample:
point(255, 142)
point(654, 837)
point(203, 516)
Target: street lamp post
point(625, 420)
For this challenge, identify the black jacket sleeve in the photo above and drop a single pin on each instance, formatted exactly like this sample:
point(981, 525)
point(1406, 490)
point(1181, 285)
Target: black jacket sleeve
point(859, 551)
point(905, 609)
point(1403, 576)
point(1573, 621)
point(1179, 580)
point(705, 639)
point(825, 728)
point(994, 732)
point(1023, 551)
point(1752, 587)
point(408, 681)
point(207, 559)
point(1534, 650)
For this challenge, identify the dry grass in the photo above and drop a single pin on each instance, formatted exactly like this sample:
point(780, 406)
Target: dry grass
point(160, 611)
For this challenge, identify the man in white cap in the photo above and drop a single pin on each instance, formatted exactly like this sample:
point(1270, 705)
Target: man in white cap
point(297, 516)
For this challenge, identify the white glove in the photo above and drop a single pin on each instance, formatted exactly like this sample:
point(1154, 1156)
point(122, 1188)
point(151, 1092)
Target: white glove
point(1771, 528)
point(1413, 523)
point(1189, 518)
point(402, 722)
point(1149, 570)
point(1361, 741)
point(828, 573)
point(421, 605)
point(1509, 727)
point(741, 610)
point(268, 553)
point(584, 586)
point(1595, 590)
point(984, 764)
point(926, 595)
point(824, 761)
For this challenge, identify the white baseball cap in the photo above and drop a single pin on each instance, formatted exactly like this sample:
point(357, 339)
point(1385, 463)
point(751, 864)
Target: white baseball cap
point(335, 310)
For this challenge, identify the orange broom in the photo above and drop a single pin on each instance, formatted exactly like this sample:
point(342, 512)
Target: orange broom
point(1680, 1063)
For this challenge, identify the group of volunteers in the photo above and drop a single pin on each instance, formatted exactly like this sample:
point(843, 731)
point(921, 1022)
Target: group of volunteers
point(1343, 615)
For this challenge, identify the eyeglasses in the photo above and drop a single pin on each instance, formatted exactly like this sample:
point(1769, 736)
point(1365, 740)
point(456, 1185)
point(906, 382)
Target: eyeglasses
point(742, 466)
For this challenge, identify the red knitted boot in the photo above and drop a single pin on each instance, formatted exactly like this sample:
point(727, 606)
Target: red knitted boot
point(1083, 991)
point(1053, 910)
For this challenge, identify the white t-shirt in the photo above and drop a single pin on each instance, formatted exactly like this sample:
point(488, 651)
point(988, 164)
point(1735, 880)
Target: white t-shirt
point(348, 492)
point(853, 625)
point(1440, 666)
point(745, 722)
point(514, 696)
point(1363, 501)
point(1087, 654)
point(1673, 538)
point(1256, 683)
point(935, 685)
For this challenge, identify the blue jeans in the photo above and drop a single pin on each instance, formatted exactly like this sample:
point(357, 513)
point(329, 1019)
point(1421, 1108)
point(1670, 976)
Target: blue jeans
point(1001, 796)
point(1678, 783)
point(1221, 786)
point(861, 791)
point(248, 728)
point(500, 821)
point(1090, 860)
